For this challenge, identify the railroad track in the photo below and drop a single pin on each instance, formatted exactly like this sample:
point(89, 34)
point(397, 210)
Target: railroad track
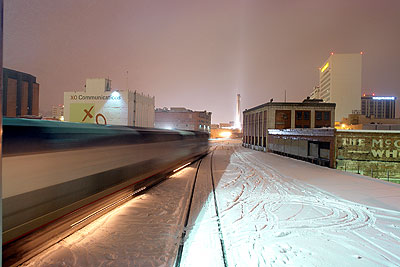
point(185, 232)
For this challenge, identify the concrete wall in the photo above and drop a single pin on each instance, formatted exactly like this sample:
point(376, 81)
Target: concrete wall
point(98, 104)
point(97, 85)
point(103, 108)
point(143, 110)
point(114, 108)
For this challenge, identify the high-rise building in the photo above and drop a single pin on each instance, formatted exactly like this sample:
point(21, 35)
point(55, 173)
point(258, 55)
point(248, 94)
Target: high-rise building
point(20, 94)
point(315, 93)
point(381, 107)
point(340, 83)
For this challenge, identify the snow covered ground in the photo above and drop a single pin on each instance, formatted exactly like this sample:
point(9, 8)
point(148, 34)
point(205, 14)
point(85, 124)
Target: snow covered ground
point(277, 211)
point(145, 231)
point(274, 211)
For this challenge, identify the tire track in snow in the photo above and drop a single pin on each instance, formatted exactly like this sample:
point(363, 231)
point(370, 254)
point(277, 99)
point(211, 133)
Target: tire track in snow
point(288, 206)
point(343, 216)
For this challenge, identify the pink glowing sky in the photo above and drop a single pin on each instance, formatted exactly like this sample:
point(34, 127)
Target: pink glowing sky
point(200, 54)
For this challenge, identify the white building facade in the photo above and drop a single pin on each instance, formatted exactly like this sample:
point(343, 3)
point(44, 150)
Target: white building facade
point(340, 83)
point(57, 112)
point(101, 105)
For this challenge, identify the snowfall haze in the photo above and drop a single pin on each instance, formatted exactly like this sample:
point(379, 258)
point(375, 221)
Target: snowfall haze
point(200, 54)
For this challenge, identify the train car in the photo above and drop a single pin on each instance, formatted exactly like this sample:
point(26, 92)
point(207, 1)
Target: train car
point(58, 176)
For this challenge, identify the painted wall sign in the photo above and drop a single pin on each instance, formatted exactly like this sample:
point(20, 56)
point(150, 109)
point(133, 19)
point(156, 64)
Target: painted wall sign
point(355, 146)
point(95, 97)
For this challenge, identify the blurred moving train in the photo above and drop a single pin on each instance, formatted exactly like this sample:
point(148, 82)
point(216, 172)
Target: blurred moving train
point(58, 176)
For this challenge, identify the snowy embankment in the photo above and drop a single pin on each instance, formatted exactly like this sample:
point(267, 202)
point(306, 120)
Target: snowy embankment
point(278, 211)
point(274, 211)
point(145, 231)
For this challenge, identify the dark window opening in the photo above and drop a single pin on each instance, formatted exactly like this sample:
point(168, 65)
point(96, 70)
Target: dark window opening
point(327, 115)
point(318, 115)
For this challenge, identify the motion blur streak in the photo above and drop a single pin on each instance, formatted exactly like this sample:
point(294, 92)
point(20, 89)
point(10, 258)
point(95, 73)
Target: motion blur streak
point(108, 206)
point(73, 173)
point(181, 167)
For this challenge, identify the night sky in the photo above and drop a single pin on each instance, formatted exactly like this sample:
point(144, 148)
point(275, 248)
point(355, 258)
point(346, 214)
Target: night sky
point(200, 54)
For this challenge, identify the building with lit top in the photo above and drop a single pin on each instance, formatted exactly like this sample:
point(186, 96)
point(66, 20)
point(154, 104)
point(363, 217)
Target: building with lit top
point(380, 107)
point(182, 119)
point(98, 103)
point(340, 83)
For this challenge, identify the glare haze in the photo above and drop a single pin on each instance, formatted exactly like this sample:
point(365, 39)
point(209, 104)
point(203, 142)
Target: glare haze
point(200, 54)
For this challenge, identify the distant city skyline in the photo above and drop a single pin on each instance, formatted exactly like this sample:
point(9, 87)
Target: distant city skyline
point(200, 54)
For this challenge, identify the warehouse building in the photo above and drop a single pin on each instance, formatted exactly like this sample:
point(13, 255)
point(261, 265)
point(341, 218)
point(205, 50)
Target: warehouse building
point(183, 119)
point(102, 105)
point(311, 113)
point(20, 94)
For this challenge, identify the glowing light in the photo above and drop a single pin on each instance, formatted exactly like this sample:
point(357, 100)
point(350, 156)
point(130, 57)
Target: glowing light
point(331, 53)
point(181, 167)
point(383, 98)
point(373, 94)
point(115, 94)
point(325, 67)
point(225, 134)
point(361, 52)
point(61, 118)
point(363, 94)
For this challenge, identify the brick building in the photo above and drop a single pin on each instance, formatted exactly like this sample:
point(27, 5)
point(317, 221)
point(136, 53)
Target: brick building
point(311, 113)
point(20, 94)
point(373, 153)
point(182, 119)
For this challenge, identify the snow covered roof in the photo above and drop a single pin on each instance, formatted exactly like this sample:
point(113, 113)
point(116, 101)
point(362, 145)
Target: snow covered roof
point(304, 131)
